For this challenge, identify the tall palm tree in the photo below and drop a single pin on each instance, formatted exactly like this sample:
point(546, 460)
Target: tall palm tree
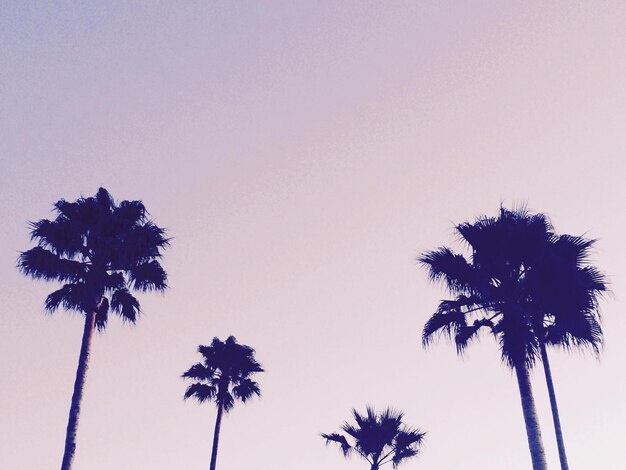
point(100, 251)
point(566, 291)
point(490, 291)
point(223, 376)
point(379, 438)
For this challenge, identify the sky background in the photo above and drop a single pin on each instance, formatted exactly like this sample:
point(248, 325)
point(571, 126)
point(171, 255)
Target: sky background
point(301, 155)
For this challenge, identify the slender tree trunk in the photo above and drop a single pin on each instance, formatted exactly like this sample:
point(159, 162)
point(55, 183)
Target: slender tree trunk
point(533, 431)
point(555, 409)
point(216, 436)
point(81, 371)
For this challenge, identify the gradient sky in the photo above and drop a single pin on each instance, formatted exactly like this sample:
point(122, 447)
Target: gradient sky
point(302, 154)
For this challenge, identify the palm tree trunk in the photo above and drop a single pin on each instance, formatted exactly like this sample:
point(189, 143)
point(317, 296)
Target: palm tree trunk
point(77, 396)
point(555, 408)
point(533, 431)
point(216, 436)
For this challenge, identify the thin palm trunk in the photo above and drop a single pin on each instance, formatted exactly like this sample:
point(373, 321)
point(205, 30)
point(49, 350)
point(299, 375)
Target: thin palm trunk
point(555, 409)
point(77, 396)
point(216, 436)
point(533, 431)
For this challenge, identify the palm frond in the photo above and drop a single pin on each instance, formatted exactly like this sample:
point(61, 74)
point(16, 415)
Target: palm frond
point(60, 236)
point(335, 438)
point(227, 400)
point(447, 323)
point(143, 243)
point(114, 281)
point(246, 389)
point(200, 372)
point(70, 296)
point(130, 213)
point(40, 263)
point(401, 455)
point(453, 269)
point(148, 276)
point(102, 314)
point(124, 304)
point(465, 334)
point(201, 392)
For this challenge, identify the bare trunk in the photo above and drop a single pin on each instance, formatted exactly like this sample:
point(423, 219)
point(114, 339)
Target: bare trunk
point(77, 396)
point(555, 409)
point(533, 431)
point(216, 436)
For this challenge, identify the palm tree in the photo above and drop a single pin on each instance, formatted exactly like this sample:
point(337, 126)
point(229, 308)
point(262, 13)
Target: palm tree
point(223, 376)
point(379, 438)
point(99, 250)
point(491, 291)
point(566, 292)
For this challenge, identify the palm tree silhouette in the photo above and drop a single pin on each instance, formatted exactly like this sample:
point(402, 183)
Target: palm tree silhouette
point(99, 250)
point(379, 438)
point(223, 376)
point(566, 291)
point(550, 284)
point(491, 290)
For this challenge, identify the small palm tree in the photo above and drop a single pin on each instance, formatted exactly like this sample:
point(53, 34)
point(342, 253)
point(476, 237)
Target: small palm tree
point(99, 250)
point(222, 377)
point(379, 438)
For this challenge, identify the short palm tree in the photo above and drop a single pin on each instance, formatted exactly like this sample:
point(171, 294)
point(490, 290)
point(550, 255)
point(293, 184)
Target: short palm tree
point(99, 251)
point(379, 438)
point(491, 291)
point(222, 377)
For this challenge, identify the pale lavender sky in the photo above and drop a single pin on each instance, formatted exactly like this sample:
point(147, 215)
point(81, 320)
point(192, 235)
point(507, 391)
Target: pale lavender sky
point(302, 154)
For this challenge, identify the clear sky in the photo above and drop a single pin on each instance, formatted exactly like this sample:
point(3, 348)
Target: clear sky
point(302, 154)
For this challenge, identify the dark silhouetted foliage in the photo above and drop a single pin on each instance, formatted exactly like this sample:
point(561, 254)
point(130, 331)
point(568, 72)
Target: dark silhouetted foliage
point(223, 377)
point(525, 284)
point(100, 251)
point(379, 438)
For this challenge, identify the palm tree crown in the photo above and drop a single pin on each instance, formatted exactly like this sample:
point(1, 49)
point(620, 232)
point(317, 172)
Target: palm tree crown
point(224, 375)
point(491, 287)
point(523, 282)
point(100, 251)
point(379, 438)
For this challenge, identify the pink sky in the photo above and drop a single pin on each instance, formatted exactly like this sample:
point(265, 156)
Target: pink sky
point(302, 154)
